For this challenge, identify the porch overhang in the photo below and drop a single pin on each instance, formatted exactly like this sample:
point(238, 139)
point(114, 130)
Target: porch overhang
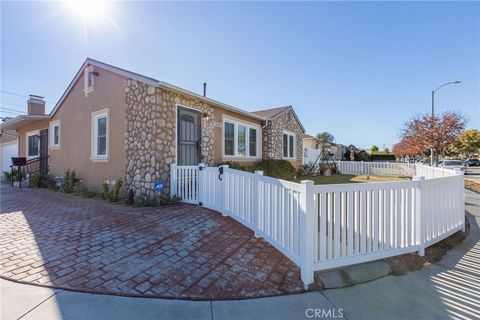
point(21, 121)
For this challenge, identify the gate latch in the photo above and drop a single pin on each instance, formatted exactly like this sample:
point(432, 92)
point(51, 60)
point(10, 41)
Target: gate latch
point(220, 173)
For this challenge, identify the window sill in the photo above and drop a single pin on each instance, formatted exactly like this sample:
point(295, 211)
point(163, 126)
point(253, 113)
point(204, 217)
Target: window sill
point(100, 159)
point(57, 147)
point(233, 158)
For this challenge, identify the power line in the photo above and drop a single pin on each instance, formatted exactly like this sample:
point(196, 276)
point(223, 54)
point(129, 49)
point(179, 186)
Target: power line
point(9, 112)
point(21, 95)
point(4, 108)
point(14, 94)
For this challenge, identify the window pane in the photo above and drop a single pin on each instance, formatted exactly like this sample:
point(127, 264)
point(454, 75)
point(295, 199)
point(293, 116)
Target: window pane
point(102, 126)
point(290, 145)
point(33, 145)
point(55, 134)
point(252, 148)
point(229, 134)
point(242, 130)
point(285, 145)
point(102, 146)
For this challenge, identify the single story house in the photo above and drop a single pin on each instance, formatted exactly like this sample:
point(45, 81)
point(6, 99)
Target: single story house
point(111, 123)
point(311, 142)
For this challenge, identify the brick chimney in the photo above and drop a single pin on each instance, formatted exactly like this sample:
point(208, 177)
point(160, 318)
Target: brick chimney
point(36, 106)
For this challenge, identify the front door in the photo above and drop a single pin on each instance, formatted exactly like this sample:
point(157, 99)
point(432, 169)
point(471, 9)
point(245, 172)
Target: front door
point(188, 136)
point(44, 151)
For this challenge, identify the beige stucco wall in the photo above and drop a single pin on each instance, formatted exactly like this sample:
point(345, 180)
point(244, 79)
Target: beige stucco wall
point(75, 131)
point(21, 132)
point(219, 115)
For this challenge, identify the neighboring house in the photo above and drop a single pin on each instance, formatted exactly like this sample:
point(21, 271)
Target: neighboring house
point(282, 134)
point(8, 149)
point(111, 123)
point(338, 150)
point(312, 142)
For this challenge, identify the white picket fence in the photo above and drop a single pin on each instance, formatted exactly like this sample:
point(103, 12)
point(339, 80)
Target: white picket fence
point(327, 226)
point(377, 168)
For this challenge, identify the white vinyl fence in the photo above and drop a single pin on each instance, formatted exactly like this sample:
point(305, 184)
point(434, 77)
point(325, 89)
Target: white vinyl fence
point(326, 226)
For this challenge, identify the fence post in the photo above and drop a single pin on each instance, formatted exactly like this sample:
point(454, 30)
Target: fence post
point(173, 180)
point(258, 202)
point(420, 215)
point(201, 184)
point(462, 200)
point(307, 229)
point(223, 193)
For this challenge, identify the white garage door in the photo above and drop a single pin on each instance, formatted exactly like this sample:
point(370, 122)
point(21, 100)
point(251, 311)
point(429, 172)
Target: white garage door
point(8, 150)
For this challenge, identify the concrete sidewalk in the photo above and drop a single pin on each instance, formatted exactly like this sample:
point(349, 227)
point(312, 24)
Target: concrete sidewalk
point(444, 290)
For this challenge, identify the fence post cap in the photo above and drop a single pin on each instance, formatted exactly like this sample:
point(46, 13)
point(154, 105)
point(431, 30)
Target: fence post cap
point(173, 164)
point(418, 178)
point(309, 182)
point(259, 172)
point(201, 164)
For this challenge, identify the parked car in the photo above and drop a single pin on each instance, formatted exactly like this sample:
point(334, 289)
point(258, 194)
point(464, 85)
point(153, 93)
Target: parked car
point(472, 162)
point(453, 164)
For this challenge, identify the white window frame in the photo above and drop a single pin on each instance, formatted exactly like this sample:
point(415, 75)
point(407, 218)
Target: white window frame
point(247, 125)
point(94, 131)
point(51, 131)
point(27, 135)
point(290, 134)
point(86, 88)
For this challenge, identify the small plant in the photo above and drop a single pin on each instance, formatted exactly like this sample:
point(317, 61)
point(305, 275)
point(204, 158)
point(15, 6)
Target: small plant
point(81, 189)
point(145, 201)
point(35, 181)
point(130, 199)
point(110, 192)
point(69, 181)
point(170, 201)
point(8, 176)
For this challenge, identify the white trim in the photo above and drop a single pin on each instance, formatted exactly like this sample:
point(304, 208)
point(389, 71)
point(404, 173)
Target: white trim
point(93, 134)
point(86, 73)
point(294, 135)
point(146, 80)
point(248, 126)
point(27, 135)
point(51, 132)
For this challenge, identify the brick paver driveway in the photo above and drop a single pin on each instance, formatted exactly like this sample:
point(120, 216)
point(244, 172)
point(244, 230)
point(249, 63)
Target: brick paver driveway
point(180, 251)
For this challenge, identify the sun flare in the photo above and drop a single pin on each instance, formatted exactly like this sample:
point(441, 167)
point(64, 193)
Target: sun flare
point(87, 9)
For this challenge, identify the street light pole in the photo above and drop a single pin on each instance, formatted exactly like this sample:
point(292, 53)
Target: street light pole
point(432, 150)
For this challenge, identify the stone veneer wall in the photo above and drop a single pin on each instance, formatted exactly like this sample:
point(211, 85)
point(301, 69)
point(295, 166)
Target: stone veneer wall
point(273, 136)
point(150, 135)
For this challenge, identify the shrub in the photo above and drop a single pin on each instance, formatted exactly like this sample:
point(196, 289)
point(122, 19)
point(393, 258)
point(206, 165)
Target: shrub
point(110, 192)
point(69, 181)
point(281, 169)
point(234, 165)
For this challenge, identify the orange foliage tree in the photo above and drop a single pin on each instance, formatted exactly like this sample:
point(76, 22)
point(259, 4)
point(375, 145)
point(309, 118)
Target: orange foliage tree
point(424, 132)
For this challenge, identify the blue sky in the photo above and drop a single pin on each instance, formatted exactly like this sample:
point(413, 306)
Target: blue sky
point(358, 70)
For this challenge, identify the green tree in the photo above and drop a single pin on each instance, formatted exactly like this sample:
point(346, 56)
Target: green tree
point(468, 142)
point(326, 136)
point(374, 148)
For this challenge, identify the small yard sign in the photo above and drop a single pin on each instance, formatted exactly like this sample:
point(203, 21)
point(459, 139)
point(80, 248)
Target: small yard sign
point(159, 185)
